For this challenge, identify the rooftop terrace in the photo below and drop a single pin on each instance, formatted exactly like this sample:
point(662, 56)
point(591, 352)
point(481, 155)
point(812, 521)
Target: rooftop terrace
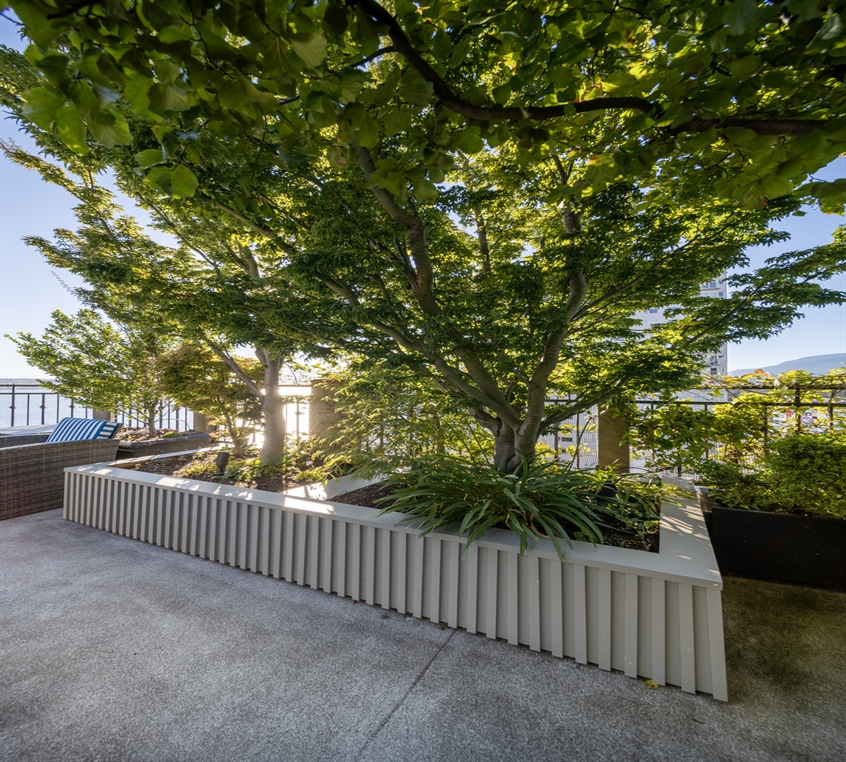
point(114, 649)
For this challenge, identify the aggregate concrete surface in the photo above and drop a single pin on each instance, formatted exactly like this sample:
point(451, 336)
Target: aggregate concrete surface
point(112, 649)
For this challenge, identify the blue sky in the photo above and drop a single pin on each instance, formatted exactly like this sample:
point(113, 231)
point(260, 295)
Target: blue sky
point(29, 291)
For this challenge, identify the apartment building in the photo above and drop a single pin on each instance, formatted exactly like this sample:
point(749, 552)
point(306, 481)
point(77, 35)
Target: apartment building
point(713, 363)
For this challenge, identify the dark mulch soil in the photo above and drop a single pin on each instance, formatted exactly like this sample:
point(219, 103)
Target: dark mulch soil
point(177, 466)
point(615, 534)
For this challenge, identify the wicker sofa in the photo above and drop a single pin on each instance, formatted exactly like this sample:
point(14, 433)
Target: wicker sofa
point(32, 470)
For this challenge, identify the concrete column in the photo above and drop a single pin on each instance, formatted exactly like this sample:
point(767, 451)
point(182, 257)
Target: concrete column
point(321, 408)
point(610, 431)
point(201, 423)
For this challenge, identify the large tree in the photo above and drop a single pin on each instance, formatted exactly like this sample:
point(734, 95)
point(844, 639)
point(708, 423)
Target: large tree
point(195, 290)
point(99, 363)
point(485, 194)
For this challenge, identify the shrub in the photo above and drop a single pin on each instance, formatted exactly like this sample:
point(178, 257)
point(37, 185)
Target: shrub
point(800, 473)
point(541, 499)
point(807, 472)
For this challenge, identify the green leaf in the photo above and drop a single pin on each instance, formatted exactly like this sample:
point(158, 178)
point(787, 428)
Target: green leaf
point(71, 129)
point(159, 178)
point(366, 130)
point(40, 106)
point(311, 51)
point(414, 89)
point(136, 92)
point(425, 192)
point(742, 68)
point(396, 121)
point(276, 56)
point(183, 182)
point(150, 157)
point(112, 131)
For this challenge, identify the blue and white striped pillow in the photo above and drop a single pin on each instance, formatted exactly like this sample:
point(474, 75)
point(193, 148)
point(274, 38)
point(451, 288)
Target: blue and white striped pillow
point(80, 429)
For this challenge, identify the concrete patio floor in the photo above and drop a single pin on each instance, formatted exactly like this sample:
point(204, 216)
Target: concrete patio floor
point(112, 649)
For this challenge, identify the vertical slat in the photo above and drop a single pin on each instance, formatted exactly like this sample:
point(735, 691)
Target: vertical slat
point(630, 650)
point(253, 546)
point(719, 687)
point(686, 639)
point(385, 576)
point(168, 499)
point(355, 582)
point(556, 607)
point(435, 580)
point(276, 521)
point(580, 612)
point(472, 562)
point(266, 539)
point(369, 565)
point(452, 605)
point(203, 544)
point(402, 563)
point(605, 619)
point(232, 542)
point(341, 563)
point(288, 560)
point(243, 535)
point(417, 582)
point(534, 604)
point(189, 523)
point(326, 554)
point(313, 551)
point(214, 523)
point(301, 529)
point(513, 588)
point(493, 593)
point(659, 649)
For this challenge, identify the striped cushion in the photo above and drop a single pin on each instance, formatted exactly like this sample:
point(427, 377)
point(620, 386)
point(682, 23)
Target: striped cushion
point(78, 429)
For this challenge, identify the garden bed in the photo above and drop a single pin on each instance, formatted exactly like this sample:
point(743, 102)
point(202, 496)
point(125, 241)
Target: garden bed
point(138, 448)
point(649, 615)
point(781, 547)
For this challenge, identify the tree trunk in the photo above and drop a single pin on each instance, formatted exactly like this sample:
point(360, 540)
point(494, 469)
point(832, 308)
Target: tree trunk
point(151, 421)
point(507, 455)
point(273, 448)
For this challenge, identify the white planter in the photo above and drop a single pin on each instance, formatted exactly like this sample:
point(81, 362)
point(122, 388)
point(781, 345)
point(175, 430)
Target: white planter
point(650, 615)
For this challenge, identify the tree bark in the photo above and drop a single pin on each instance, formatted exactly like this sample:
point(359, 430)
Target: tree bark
point(151, 420)
point(273, 448)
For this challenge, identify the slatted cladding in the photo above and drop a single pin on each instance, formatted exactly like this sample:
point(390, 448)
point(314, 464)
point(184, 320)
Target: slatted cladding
point(642, 625)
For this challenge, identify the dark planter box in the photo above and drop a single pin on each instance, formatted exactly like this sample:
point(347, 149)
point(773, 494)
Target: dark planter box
point(160, 446)
point(783, 547)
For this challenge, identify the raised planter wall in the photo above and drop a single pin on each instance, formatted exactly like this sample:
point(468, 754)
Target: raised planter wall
point(651, 615)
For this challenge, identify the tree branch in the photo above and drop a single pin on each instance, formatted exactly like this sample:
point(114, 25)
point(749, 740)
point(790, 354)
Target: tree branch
point(422, 284)
point(451, 101)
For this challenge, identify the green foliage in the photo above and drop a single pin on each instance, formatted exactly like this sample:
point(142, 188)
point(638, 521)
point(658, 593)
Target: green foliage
point(540, 499)
point(98, 363)
point(386, 418)
point(801, 473)
point(196, 378)
point(482, 195)
point(734, 487)
point(805, 472)
point(748, 96)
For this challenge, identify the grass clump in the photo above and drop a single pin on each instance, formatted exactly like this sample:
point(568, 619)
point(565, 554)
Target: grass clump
point(542, 499)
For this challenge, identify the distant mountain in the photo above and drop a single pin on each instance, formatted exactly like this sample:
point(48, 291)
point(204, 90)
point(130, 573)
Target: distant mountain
point(815, 364)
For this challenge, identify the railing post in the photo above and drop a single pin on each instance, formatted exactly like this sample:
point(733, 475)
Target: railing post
point(611, 450)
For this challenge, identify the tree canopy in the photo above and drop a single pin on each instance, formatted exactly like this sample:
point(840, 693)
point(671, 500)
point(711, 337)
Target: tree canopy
point(749, 93)
point(485, 194)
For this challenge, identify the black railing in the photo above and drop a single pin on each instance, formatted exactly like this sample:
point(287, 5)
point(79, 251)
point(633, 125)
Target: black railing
point(33, 405)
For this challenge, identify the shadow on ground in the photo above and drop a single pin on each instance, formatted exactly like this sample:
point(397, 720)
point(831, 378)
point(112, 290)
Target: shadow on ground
point(111, 649)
